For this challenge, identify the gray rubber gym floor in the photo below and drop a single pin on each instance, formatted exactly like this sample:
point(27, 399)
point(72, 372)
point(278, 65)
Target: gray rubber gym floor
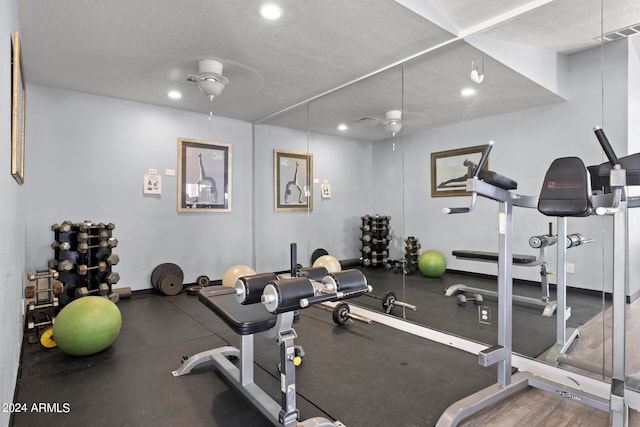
point(362, 375)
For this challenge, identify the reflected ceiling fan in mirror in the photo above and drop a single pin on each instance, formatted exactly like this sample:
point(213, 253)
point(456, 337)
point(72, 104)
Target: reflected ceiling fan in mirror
point(391, 121)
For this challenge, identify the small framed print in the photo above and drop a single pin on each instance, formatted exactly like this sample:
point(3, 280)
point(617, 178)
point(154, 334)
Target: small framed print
point(450, 170)
point(293, 172)
point(204, 176)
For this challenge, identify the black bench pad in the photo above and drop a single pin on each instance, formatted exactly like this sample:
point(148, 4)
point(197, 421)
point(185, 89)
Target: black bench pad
point(492, 256)
point(243, 319)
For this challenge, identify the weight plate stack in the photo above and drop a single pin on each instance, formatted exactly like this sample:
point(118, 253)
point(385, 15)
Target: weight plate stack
point(167, 278)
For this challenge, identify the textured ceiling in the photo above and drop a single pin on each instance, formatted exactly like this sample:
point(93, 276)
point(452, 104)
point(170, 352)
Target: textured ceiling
point(139, 49)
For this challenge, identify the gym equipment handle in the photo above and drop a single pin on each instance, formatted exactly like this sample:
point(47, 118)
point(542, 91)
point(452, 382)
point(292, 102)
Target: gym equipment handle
point(405, 305)
point(474, 197)
point(455, 210)
point(606, 146)
point(305, 302)
point(483, 159)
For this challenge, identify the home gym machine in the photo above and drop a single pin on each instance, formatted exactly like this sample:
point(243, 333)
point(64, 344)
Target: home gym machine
point(269, 305)
point(554, 196)
point(540, 242)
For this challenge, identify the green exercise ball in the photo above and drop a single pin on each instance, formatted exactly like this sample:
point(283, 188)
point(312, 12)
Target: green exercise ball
point(87, 325)
point(432, 263)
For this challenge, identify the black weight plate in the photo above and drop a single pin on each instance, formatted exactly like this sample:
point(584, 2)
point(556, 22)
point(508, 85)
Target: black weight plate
point(317, 254)
point(162, 270)
point(170, 285)
point(388, 302)
point(340, 313)
point(202, 281)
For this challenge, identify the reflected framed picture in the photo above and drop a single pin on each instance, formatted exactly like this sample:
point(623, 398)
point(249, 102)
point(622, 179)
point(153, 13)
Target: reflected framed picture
point(450, 170)
point(204, 176)
point(18, 97)
point(293, 172)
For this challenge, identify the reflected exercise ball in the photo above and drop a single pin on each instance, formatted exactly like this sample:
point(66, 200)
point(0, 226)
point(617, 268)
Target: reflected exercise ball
point(329, 262)
point(234, 273)
point(432, 263)
point(87, 325)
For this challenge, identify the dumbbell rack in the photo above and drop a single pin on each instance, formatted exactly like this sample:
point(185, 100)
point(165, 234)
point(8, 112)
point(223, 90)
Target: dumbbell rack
point(375, 240)
point(84, 258)
point(41, 300)
point(409, 264)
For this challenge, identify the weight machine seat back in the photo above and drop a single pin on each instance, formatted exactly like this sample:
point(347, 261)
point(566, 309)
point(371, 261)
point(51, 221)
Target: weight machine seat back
point(242, 319)
point(600, 173)
point(566, 189)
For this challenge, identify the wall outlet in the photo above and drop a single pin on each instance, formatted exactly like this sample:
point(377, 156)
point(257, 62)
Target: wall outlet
point(570, 268)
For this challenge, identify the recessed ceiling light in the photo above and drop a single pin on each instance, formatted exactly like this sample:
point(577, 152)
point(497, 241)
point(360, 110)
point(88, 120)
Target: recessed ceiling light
point(467, 91)
point(342, 127)
point(271, 12)
point(174, 94)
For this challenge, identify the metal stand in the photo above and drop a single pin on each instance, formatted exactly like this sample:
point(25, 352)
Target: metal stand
point(500, 354)
point(241, 376)
point(565, 336)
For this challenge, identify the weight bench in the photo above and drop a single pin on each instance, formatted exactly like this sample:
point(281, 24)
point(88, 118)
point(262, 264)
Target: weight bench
point(268, 305)
point(549, 306)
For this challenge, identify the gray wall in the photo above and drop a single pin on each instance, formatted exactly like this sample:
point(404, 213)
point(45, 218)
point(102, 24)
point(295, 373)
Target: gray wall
point(12, 225)
point(333, 223)
point(526, 143)
point(87, 157)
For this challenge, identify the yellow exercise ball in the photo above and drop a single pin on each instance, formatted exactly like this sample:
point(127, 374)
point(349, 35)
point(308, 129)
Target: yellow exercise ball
point(234, 273)
point(329, 262)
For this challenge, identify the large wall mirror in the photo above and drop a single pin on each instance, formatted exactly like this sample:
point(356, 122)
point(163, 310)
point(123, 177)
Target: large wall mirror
point(538, 95)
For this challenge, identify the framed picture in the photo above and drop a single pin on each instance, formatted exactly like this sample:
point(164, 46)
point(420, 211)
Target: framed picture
point(204, 176)
point(17, 111)
point(293, 172)
point(450, 170)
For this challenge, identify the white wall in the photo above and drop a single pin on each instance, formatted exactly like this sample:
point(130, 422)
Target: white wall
point(526, 144)
point(12, 225)
point(87, 157)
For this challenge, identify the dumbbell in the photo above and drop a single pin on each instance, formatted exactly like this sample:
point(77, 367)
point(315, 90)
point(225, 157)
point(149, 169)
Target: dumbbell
point(88, 225)
point(389, 301)
point(377, 241)
point(83, 269)
point(342, 314)
point(84, 236)
point(113, 278)
point(476, 298)
point(63, 228)
point(64, 246)
point(42, 275)
point(365, 249)
point(84, 247)
point(64, 265)
point(102, 289)
point(113, 259)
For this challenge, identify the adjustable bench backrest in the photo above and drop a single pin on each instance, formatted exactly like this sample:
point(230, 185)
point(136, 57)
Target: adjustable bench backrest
point(566, 190)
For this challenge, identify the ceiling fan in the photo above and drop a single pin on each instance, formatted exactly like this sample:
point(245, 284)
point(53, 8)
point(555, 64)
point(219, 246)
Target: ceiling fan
point(392, 121)
point(209, 79)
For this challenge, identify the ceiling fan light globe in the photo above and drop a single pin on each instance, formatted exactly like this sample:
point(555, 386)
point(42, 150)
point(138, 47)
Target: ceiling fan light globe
point(210, 87)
